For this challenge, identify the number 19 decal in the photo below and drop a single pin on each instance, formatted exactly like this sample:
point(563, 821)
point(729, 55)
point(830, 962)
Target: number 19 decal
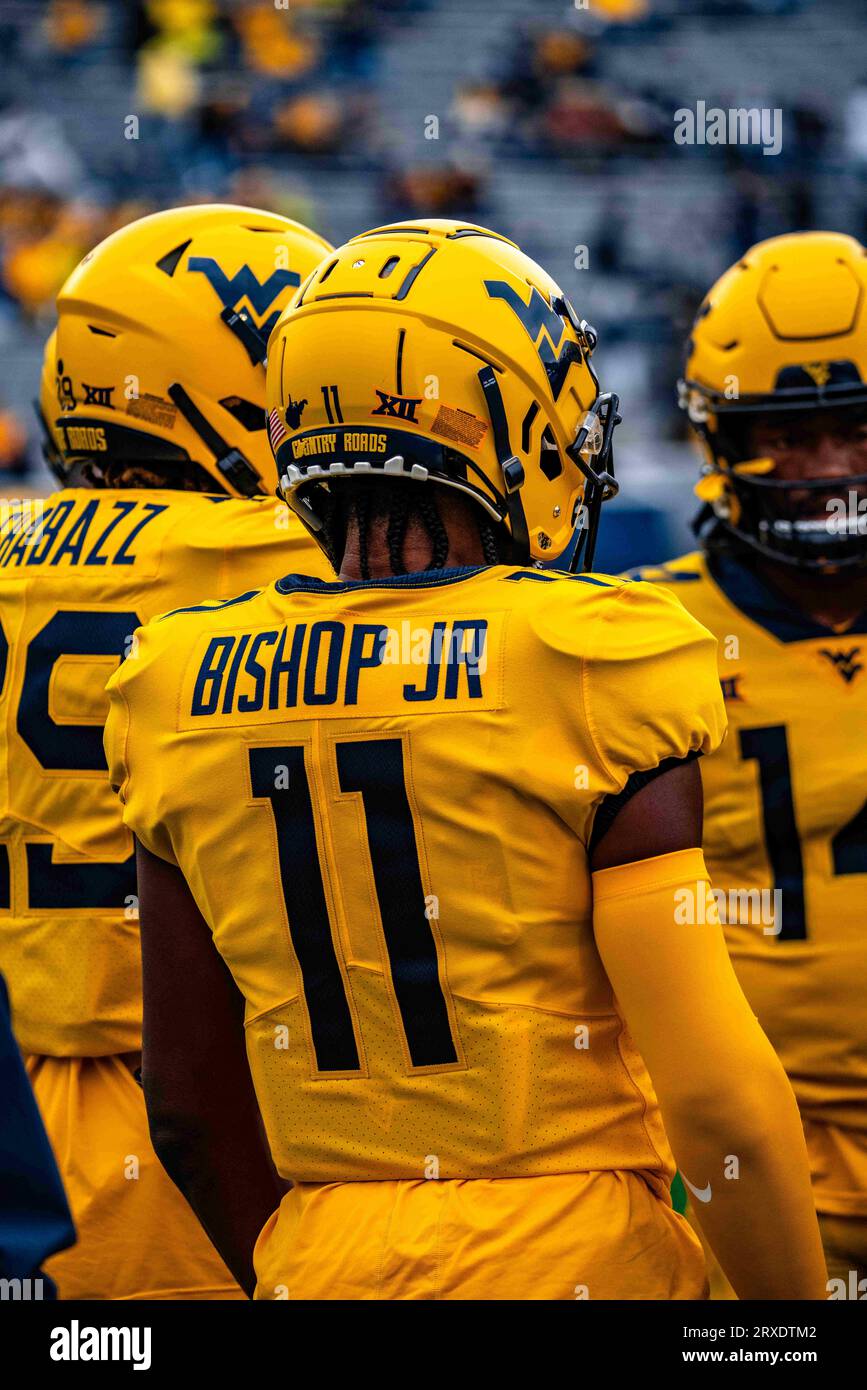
point(374, 769)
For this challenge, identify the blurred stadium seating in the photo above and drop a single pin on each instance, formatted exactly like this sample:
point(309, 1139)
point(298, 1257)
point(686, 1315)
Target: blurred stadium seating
point(553, 123)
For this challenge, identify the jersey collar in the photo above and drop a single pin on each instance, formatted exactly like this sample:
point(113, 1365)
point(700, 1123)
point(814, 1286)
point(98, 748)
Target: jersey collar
point(744, 588)
point(424, 579)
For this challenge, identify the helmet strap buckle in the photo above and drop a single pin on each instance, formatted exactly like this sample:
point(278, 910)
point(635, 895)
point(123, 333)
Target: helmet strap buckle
point(244, 329)
point(513, 474)
point(235, 468)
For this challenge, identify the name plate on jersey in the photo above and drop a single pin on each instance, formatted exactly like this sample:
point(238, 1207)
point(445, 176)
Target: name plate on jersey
point(337, 668)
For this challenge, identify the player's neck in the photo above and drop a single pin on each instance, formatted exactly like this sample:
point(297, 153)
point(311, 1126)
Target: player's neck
point(465, 548)
point(832, 599)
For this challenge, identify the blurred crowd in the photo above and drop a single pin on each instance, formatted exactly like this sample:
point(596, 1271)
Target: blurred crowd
point(248, 100)
point(221, 88)
point(218, 87)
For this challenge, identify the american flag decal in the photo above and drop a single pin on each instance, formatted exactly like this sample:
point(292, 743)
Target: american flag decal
point(276, 430)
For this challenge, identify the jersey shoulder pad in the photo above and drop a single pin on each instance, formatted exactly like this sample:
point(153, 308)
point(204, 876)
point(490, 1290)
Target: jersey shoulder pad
point(651, 682)
point(554, 606)
point(206, 522)
point(165, 641)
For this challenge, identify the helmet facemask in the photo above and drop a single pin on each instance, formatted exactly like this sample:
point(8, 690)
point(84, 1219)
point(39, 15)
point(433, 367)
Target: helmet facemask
point(776, 365)
point(812, 523)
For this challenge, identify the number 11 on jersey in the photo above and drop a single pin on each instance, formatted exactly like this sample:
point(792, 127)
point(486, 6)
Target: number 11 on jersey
point(374, 770)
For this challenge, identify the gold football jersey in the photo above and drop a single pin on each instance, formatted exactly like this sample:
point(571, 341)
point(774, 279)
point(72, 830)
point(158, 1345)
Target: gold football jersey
point(78, 574)
point(381, 795)
point(785, 837)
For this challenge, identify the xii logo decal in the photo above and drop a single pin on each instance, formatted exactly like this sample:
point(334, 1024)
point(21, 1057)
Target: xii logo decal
point(397, 407)
point(98, 395)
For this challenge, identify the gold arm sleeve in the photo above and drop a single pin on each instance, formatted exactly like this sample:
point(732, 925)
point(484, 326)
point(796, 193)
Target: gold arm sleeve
point(726, 1102)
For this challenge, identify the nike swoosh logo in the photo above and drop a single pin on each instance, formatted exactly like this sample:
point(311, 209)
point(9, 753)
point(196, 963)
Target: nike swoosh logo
point(701, 1194)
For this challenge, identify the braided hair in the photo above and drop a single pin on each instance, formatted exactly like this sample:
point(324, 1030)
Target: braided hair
point(122, 473)
point(402, 504)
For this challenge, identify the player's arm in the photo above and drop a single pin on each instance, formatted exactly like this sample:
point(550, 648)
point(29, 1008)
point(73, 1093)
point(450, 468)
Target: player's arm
point(202, 1110)
point(720, 1085)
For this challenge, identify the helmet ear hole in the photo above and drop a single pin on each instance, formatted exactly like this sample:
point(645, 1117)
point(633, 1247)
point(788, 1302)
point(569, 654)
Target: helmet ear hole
point(550, 462)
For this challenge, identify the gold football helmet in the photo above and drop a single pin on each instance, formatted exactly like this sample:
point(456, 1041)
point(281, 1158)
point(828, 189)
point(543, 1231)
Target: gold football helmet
point(437, 352)
point(783, 331)
point(160, 344)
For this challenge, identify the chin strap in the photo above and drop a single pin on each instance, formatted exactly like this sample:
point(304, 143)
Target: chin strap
point(601, 420)
point(511, 467)
point(235, 468)
point(243, 327)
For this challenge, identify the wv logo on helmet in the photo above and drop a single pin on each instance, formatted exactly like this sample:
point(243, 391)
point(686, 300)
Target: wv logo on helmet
point(244, 284)
point(538, 318)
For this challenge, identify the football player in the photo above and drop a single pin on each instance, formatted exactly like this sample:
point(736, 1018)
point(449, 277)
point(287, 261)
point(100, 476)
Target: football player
point(153, 396)
point(369, 812)
point(776, 388)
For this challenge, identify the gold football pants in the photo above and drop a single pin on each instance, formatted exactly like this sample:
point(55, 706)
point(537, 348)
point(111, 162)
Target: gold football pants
point(137, 1236)
point(601, 1235)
